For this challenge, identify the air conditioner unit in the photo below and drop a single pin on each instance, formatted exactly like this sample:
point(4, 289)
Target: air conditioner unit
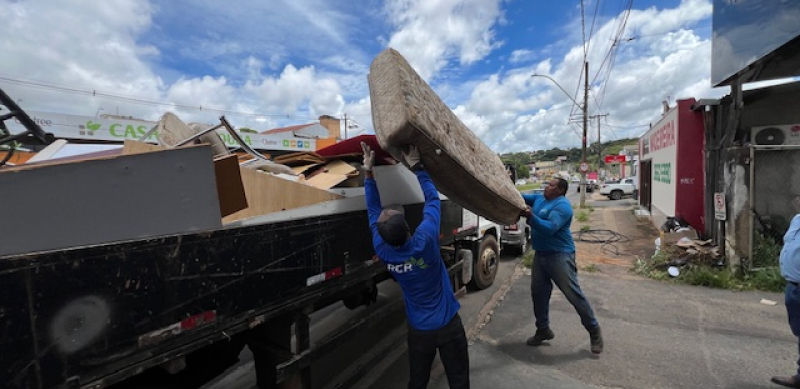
point(776, 135)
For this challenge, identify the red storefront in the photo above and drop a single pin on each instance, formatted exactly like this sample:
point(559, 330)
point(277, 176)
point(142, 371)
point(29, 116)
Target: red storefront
point(671, 178)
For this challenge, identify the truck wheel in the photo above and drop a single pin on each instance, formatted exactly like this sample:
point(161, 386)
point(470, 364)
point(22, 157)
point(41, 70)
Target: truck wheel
point(485, 268)
point(616, 195)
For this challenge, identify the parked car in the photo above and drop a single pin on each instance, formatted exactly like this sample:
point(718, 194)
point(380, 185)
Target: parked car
point(616, 189)
point(590, 187)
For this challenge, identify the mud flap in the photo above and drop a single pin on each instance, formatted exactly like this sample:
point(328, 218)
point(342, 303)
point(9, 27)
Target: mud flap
point(465, 256)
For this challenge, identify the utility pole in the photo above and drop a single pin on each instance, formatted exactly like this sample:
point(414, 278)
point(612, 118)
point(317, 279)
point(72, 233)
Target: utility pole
point(599, 144)
point(585, 129)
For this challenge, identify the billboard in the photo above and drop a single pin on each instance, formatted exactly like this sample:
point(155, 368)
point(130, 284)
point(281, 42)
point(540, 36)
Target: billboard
point(757, 39)
point(115, 129)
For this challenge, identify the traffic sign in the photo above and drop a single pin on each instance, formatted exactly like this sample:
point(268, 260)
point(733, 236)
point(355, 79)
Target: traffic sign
point(584, 167)
point(719, 206)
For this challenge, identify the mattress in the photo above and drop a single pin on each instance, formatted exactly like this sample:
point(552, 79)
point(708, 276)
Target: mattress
point(405, 110)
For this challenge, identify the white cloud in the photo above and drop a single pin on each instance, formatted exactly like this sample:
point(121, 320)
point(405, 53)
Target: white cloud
point(432, 32)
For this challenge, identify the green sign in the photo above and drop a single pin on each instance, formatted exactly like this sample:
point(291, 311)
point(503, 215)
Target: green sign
point(662, 172)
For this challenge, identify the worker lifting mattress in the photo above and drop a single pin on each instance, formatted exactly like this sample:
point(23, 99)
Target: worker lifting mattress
point(405, 110)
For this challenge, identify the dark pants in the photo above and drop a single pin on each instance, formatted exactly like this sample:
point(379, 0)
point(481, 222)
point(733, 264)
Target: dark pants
point(451, 341)
point(793, 311)
point(557, 268)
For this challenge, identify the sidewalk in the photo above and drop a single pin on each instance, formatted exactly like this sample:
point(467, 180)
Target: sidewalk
point(657, 335)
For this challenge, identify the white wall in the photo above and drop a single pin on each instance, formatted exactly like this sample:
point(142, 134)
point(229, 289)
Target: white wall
point(660, 145)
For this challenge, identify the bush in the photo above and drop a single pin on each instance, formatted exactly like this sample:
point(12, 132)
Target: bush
point(527, 259)
point(766, 252)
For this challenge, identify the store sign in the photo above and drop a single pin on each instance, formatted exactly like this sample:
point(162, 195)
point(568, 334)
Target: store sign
point(615, 159)
point(662, 172)
point(109, 129)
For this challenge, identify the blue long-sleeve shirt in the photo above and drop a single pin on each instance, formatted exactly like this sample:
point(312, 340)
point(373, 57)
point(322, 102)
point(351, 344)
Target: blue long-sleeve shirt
point(417, 265)
point(550, 222)
point(790, 254)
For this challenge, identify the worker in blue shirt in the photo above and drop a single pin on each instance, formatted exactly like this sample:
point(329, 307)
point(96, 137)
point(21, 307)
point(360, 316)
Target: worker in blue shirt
point(550, 217)
point(790, 270)
point(416, 263)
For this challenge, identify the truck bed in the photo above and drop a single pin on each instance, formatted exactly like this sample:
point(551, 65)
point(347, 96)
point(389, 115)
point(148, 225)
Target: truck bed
point(81, 314)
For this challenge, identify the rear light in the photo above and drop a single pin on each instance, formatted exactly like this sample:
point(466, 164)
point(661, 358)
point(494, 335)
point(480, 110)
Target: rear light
point(512, 227)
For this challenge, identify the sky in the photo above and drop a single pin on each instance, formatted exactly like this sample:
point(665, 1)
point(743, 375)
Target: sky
point(272, 63)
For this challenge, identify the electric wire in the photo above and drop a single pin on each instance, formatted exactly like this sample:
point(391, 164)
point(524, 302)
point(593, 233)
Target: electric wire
point(606, 238)
point(135, 100)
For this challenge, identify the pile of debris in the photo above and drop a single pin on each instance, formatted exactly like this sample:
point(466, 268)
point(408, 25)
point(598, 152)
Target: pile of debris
point(688, 248)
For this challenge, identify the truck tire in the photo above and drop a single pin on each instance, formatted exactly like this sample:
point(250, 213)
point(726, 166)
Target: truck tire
point(616, 195)
point(485, 268)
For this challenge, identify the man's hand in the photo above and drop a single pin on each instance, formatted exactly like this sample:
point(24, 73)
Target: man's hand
point(411, 155)
point(369, 157)
point(526, 213)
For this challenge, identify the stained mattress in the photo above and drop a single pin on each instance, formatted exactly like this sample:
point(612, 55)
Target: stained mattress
point(405, 110)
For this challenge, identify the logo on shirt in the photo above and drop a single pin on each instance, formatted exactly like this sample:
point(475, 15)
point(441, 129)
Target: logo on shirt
point(407, 266)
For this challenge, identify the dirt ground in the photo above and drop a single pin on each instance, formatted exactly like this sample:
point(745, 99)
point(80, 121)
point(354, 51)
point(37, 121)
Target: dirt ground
point(615, 240)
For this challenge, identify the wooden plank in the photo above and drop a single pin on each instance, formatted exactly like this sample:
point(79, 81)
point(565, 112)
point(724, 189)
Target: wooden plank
point(325, 180)
point(267, 194)
point(136, 147)
point(341, 168)
point(230, 188)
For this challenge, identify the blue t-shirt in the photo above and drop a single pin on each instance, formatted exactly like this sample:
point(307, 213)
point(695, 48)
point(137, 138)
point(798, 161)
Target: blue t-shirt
point(550, 222)
point(790, 254)
point(417, 265)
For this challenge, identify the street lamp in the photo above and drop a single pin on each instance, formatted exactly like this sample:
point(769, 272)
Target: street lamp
point(585, 106)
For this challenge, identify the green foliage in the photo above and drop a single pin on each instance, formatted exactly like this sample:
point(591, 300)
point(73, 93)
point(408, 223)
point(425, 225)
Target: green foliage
point(582, 216)
point(523, 188)
point(701, 274)
point(590, 268)
point(586, 228)
point(520, 162)
point(248, 130)
point(527, 259)
point(766, 252)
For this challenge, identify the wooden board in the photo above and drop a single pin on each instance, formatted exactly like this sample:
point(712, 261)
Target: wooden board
point(230, 188)
point(341, 168)
point(267, 194)
point(326, 180)
point(136, 147)
point(405, 110)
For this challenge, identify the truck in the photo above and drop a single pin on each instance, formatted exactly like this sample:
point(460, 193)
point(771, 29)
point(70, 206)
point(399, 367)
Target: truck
point(615, 190)
point(175, 310)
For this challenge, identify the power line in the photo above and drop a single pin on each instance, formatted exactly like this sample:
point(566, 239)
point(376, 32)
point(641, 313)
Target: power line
point(135, 100)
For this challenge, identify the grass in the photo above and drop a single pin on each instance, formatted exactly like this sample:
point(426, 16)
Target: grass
point(706, 274)
point(585, 228)
point(582, 216)
point(525, 187)
point(590, 268)
point(527, 259)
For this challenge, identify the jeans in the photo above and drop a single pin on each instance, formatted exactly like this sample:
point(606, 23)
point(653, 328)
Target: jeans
point(451, 341)
point(793, 311)
point(557, 267)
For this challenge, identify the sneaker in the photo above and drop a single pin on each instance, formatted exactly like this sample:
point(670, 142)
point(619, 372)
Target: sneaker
point(540, 336)
point(596, 340)
point(789, 382)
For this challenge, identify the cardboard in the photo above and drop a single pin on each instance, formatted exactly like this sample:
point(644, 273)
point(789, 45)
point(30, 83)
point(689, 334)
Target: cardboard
point(230, 188)
point(267, 194)
point(341, 168)
point(325, 180)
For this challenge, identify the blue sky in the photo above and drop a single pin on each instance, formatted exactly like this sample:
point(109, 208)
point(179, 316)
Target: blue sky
point(274, 63)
